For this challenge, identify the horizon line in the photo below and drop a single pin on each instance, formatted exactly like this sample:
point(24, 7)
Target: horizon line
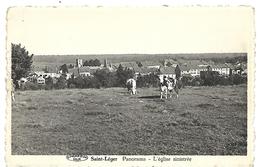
point(139, 54)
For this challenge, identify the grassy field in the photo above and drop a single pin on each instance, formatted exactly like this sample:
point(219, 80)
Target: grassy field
point(203, 121)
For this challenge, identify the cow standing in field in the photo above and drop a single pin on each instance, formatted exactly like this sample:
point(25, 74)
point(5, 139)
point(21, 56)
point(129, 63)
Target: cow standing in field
point(131, 86)
point(168, 86)
point(164, 87)
point(173, 87)
point(12, 90)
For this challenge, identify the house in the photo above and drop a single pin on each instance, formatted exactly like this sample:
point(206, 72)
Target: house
point(239, 68)
point(41, 80)
point(222, 69)
point(170, 62)
point(36, 74)
point(185, 69)
point(83, 71)
point(53, 75)
point(145, 71)
point(151, 64)
point(129, 65)
point(168, 72)
point(193, 70)
point(39, 73)
point(94, 67)
point(193, 67)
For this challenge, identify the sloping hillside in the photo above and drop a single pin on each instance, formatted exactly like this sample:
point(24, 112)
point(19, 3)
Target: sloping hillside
point(203, 121)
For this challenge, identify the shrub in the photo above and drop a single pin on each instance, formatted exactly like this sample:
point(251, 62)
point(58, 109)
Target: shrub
point(186, 80)
point(92, 82)
point(79, 82)
point(92, 62)
point(61, 83)
point(105, 78)
point(30, 86)
point(151, 80)
point(209, 77)
point(49, 83)
point(223, 80)
point(122, 75)
point(238, 79)
point(72, 86)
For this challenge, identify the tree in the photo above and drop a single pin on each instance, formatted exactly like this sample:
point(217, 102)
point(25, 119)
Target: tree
point(120, 75)
point(45, 69)
point(86, 63)
point(178, 72)
point(92, 62)
point(64, 68)
point(139, 64)
point(106, 78)
point(21, 62)
point(150, 80)
point(48, 83)
point(123, 74)
point(71, 66)
point(92, 82)
point(79, 82)
point(96, 62)
point(61, 83)
point(168, 64)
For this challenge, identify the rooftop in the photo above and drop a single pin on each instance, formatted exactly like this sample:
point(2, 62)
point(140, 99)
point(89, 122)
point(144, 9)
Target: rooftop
point(167, 70)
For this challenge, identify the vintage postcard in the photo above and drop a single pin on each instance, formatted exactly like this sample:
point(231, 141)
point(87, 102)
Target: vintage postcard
point(130, 86)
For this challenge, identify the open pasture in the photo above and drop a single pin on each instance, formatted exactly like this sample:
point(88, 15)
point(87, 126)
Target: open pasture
point(203, 121)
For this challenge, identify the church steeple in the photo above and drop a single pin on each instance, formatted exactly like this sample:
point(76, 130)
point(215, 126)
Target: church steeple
point(105, 62)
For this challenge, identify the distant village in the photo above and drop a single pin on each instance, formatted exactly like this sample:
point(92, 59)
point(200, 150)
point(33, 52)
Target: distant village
point(162, 68)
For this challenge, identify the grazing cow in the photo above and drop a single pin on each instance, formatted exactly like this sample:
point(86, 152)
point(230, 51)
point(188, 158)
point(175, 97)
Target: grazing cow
point(131, 86)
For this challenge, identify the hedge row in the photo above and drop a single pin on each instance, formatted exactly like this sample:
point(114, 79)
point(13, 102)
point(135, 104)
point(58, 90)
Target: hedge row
point(214, 80)
point(108, 79)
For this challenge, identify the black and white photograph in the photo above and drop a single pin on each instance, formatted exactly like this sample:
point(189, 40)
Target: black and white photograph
point(130, 81)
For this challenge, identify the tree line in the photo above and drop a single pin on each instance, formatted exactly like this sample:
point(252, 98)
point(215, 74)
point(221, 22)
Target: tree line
point(102, 78)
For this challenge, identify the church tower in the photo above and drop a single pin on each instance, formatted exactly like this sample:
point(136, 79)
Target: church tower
point(79, 63)
point(105, 63)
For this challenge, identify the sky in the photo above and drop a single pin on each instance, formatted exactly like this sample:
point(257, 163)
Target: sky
point(92, 30)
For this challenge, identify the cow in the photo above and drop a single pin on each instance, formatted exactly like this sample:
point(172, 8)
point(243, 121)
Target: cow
point(12, 90)
point(131, 86)
point(164, 87)
point(168, 86)
point(173, 87)
point(21, 82)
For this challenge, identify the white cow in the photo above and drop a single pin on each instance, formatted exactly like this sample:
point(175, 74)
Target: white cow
point(131, 86)
point(21, 82)
point(12, 90)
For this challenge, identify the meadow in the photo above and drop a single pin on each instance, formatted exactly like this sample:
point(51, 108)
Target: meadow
point(203, 121)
